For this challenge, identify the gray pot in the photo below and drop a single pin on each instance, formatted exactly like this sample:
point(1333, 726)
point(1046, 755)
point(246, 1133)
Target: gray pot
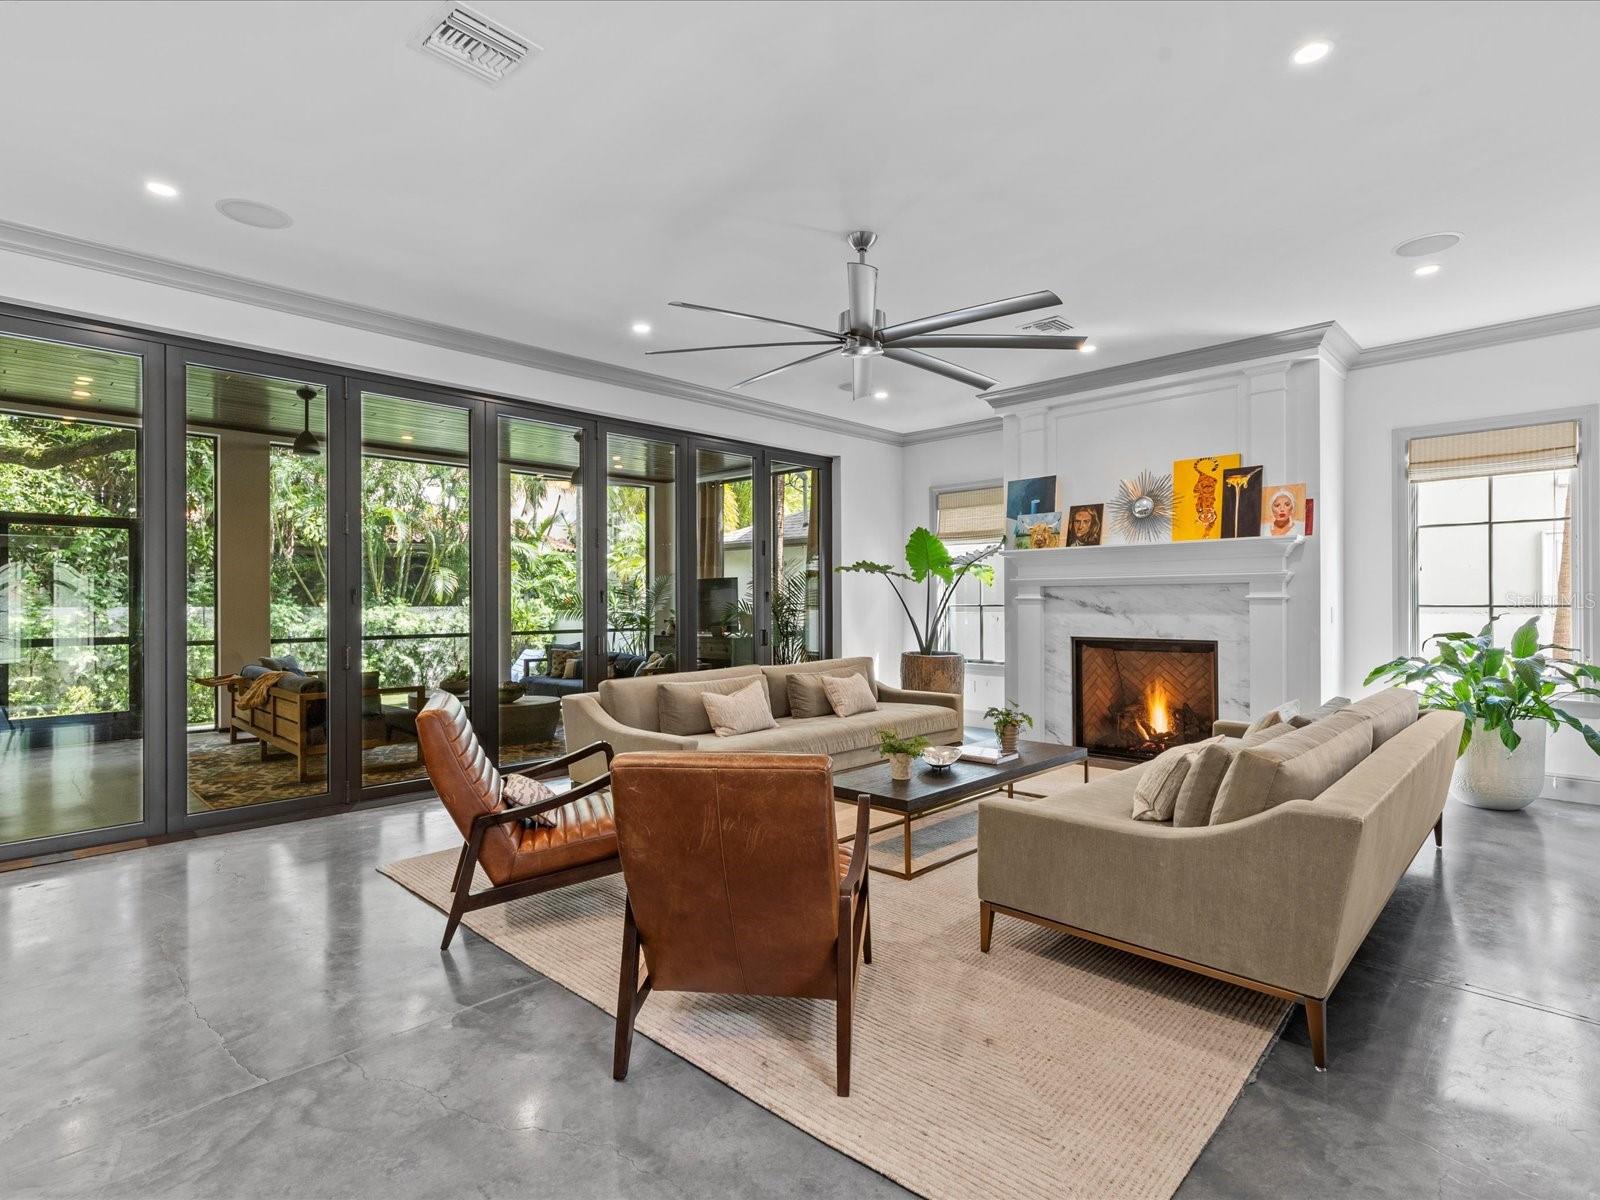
point(1490, 776)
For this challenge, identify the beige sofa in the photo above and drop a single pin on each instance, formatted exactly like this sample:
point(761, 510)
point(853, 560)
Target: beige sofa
point(628, 714)
point(1279, 901)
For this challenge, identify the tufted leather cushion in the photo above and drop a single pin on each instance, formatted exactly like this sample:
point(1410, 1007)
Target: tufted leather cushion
point(469, 785)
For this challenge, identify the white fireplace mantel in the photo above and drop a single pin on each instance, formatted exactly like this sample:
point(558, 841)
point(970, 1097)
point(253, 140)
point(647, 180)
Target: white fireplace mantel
point(1282, 624)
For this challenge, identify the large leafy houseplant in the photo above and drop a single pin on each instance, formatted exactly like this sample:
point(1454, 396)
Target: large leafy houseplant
point(1513, 692)
point(929, 559)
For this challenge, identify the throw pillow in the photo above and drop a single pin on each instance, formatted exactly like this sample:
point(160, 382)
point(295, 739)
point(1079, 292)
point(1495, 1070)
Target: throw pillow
point(574, 665)
point(518, 790)
point(1198, 792)
point(1297, 766)
point(680, 710)
point(849, 694)
point(1255, 737)
point(1159, 781)
point(745, 711)
point(557, 658)
point(1280, 715)
point(1390, 711)
point(1326, 709)
point(807, 696)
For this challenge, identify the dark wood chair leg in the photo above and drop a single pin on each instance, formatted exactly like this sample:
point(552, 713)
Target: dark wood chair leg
point(463, 888)
point(986, 924)
point(627, 995)
point(866, 922)
point(461, 865)
point(842, 1017)
point(1317, 1026)
point(1438, 831)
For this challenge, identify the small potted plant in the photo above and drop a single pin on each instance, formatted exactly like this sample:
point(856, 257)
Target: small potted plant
point(900, 751)
point(1008, 723)
point(1509, 696)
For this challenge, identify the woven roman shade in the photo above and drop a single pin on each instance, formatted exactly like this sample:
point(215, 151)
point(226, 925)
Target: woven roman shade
point(972, 514)
point(1515, 450)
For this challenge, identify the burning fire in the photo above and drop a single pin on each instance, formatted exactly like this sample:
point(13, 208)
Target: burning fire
point(1157, 715)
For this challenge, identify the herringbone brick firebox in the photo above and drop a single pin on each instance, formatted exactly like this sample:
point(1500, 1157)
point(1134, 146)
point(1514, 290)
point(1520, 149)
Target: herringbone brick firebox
point(1135, 697)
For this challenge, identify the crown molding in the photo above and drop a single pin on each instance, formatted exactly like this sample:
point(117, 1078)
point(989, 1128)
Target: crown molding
point(919, 436)
point(78, 252)
point(1573, 320)
point(1326, 339)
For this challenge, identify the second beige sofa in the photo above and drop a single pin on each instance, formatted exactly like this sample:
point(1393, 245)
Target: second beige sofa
point(628, 713)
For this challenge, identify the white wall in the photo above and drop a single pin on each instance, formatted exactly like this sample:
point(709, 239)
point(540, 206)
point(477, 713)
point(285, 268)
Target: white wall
point(1538, 375)
point(868, 472)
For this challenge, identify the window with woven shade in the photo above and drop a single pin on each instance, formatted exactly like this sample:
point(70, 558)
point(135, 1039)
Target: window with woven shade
point(1493, 530)
point(970, 519)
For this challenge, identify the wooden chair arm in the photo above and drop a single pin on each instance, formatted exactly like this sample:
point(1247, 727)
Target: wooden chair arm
point(858, 851)
point(534, 770)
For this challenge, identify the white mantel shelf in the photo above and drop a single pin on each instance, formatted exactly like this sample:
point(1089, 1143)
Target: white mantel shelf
point(1258, 561)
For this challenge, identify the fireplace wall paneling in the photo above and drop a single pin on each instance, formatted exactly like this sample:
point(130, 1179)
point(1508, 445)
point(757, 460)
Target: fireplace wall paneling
point(1135, 697)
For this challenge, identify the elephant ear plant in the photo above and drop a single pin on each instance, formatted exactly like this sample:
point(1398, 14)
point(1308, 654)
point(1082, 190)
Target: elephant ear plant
point(1497, 686)
point(928, 559)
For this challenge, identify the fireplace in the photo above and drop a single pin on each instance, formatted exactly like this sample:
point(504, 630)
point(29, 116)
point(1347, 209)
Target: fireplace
point(1132, 698)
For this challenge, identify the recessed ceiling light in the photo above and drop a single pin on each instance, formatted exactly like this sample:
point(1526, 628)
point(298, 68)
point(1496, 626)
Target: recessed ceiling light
point(641, 327)
point(254, 214)
point(880, 394)
point(157, 188)
point(1312, 52)
point(1427, 245)
point(1086, 348)
point(84, 379)
point(80, 395)
point(1426, 269)
point(407, 437)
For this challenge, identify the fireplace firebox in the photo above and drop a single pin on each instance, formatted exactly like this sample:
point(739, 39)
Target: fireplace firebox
point(1132, 698)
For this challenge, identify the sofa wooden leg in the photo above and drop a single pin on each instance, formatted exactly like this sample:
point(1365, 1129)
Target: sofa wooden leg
point(1317, 1026)
point(985, 924)
point(1438, 831)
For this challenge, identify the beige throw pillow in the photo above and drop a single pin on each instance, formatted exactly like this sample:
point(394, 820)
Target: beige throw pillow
point(680, 710)
point(1326, 709)
point(1157, 790)
point(849, 694)
point(807, 696)
point(516, 791)
point(745, 711)
point(1297, 766)
point(1207, 769)
point(1255, 737)
point(1285, 712)
point(1390, 711)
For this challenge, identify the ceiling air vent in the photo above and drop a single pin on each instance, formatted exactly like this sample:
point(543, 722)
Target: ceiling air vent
point(1046, 325)
point(474, 43)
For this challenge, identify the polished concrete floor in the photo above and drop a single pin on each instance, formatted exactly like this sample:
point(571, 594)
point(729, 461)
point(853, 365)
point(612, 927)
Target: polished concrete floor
point(261, 1014)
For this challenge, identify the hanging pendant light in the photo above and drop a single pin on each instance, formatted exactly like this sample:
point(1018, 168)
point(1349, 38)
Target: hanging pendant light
point(306, 442)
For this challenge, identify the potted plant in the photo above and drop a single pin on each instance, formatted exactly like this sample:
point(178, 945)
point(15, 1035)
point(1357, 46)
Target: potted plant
point(928, 668)
point(1008, 723)
point(1509, 696)
point(900, 751)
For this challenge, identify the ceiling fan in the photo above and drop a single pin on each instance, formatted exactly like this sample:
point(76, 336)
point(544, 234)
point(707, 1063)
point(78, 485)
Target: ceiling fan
point(863, 334)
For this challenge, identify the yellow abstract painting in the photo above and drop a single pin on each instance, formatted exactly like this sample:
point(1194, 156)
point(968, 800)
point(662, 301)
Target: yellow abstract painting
point(1197, 496)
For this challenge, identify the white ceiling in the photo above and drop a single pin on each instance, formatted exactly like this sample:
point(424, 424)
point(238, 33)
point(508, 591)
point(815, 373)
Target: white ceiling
point(1161, 166)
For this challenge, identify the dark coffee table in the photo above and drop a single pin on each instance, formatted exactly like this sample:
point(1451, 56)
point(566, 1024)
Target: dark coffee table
point(928, 792)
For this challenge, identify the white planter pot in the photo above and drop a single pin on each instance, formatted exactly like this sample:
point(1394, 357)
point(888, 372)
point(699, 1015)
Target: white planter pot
point(1490, 776)
point(900, 767)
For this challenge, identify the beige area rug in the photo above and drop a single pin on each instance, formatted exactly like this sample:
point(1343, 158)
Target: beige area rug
point(1050, 1067)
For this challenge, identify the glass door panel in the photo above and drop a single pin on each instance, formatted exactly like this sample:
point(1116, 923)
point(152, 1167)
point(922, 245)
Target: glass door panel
point(256, 555)
point(641, 545)
point(71, 618)
point(797, 565)
point(725, 552)
point(416, 619)
point(540, 613)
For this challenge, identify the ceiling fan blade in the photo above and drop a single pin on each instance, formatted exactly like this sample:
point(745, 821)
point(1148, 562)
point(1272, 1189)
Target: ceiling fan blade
point(992, 341)
point(966, 316)
point(728, 312)
point(860, 378)
point(797, 362)
point(863, 283)
point(740, 346)
point(915, 358)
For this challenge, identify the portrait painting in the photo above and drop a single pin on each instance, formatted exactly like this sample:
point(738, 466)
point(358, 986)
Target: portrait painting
point(1084, 523)
point(1241, 502)
point(1197, 496)
point(1283, 510)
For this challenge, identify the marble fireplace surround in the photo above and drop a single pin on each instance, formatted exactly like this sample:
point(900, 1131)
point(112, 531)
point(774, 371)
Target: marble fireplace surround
point(1239, 593)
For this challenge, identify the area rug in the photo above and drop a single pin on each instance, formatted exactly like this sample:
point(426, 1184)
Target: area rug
point(1050, 1067)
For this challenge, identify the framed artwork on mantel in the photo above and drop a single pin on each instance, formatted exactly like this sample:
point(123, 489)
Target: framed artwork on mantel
point(1197, 496)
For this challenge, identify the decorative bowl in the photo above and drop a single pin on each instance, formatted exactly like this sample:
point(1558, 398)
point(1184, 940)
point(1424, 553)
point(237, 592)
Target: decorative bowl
point(510, 692)
point(941, 758)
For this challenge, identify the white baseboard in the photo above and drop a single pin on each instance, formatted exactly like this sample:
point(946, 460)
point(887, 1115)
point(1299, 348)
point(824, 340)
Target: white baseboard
point(1580, 789)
